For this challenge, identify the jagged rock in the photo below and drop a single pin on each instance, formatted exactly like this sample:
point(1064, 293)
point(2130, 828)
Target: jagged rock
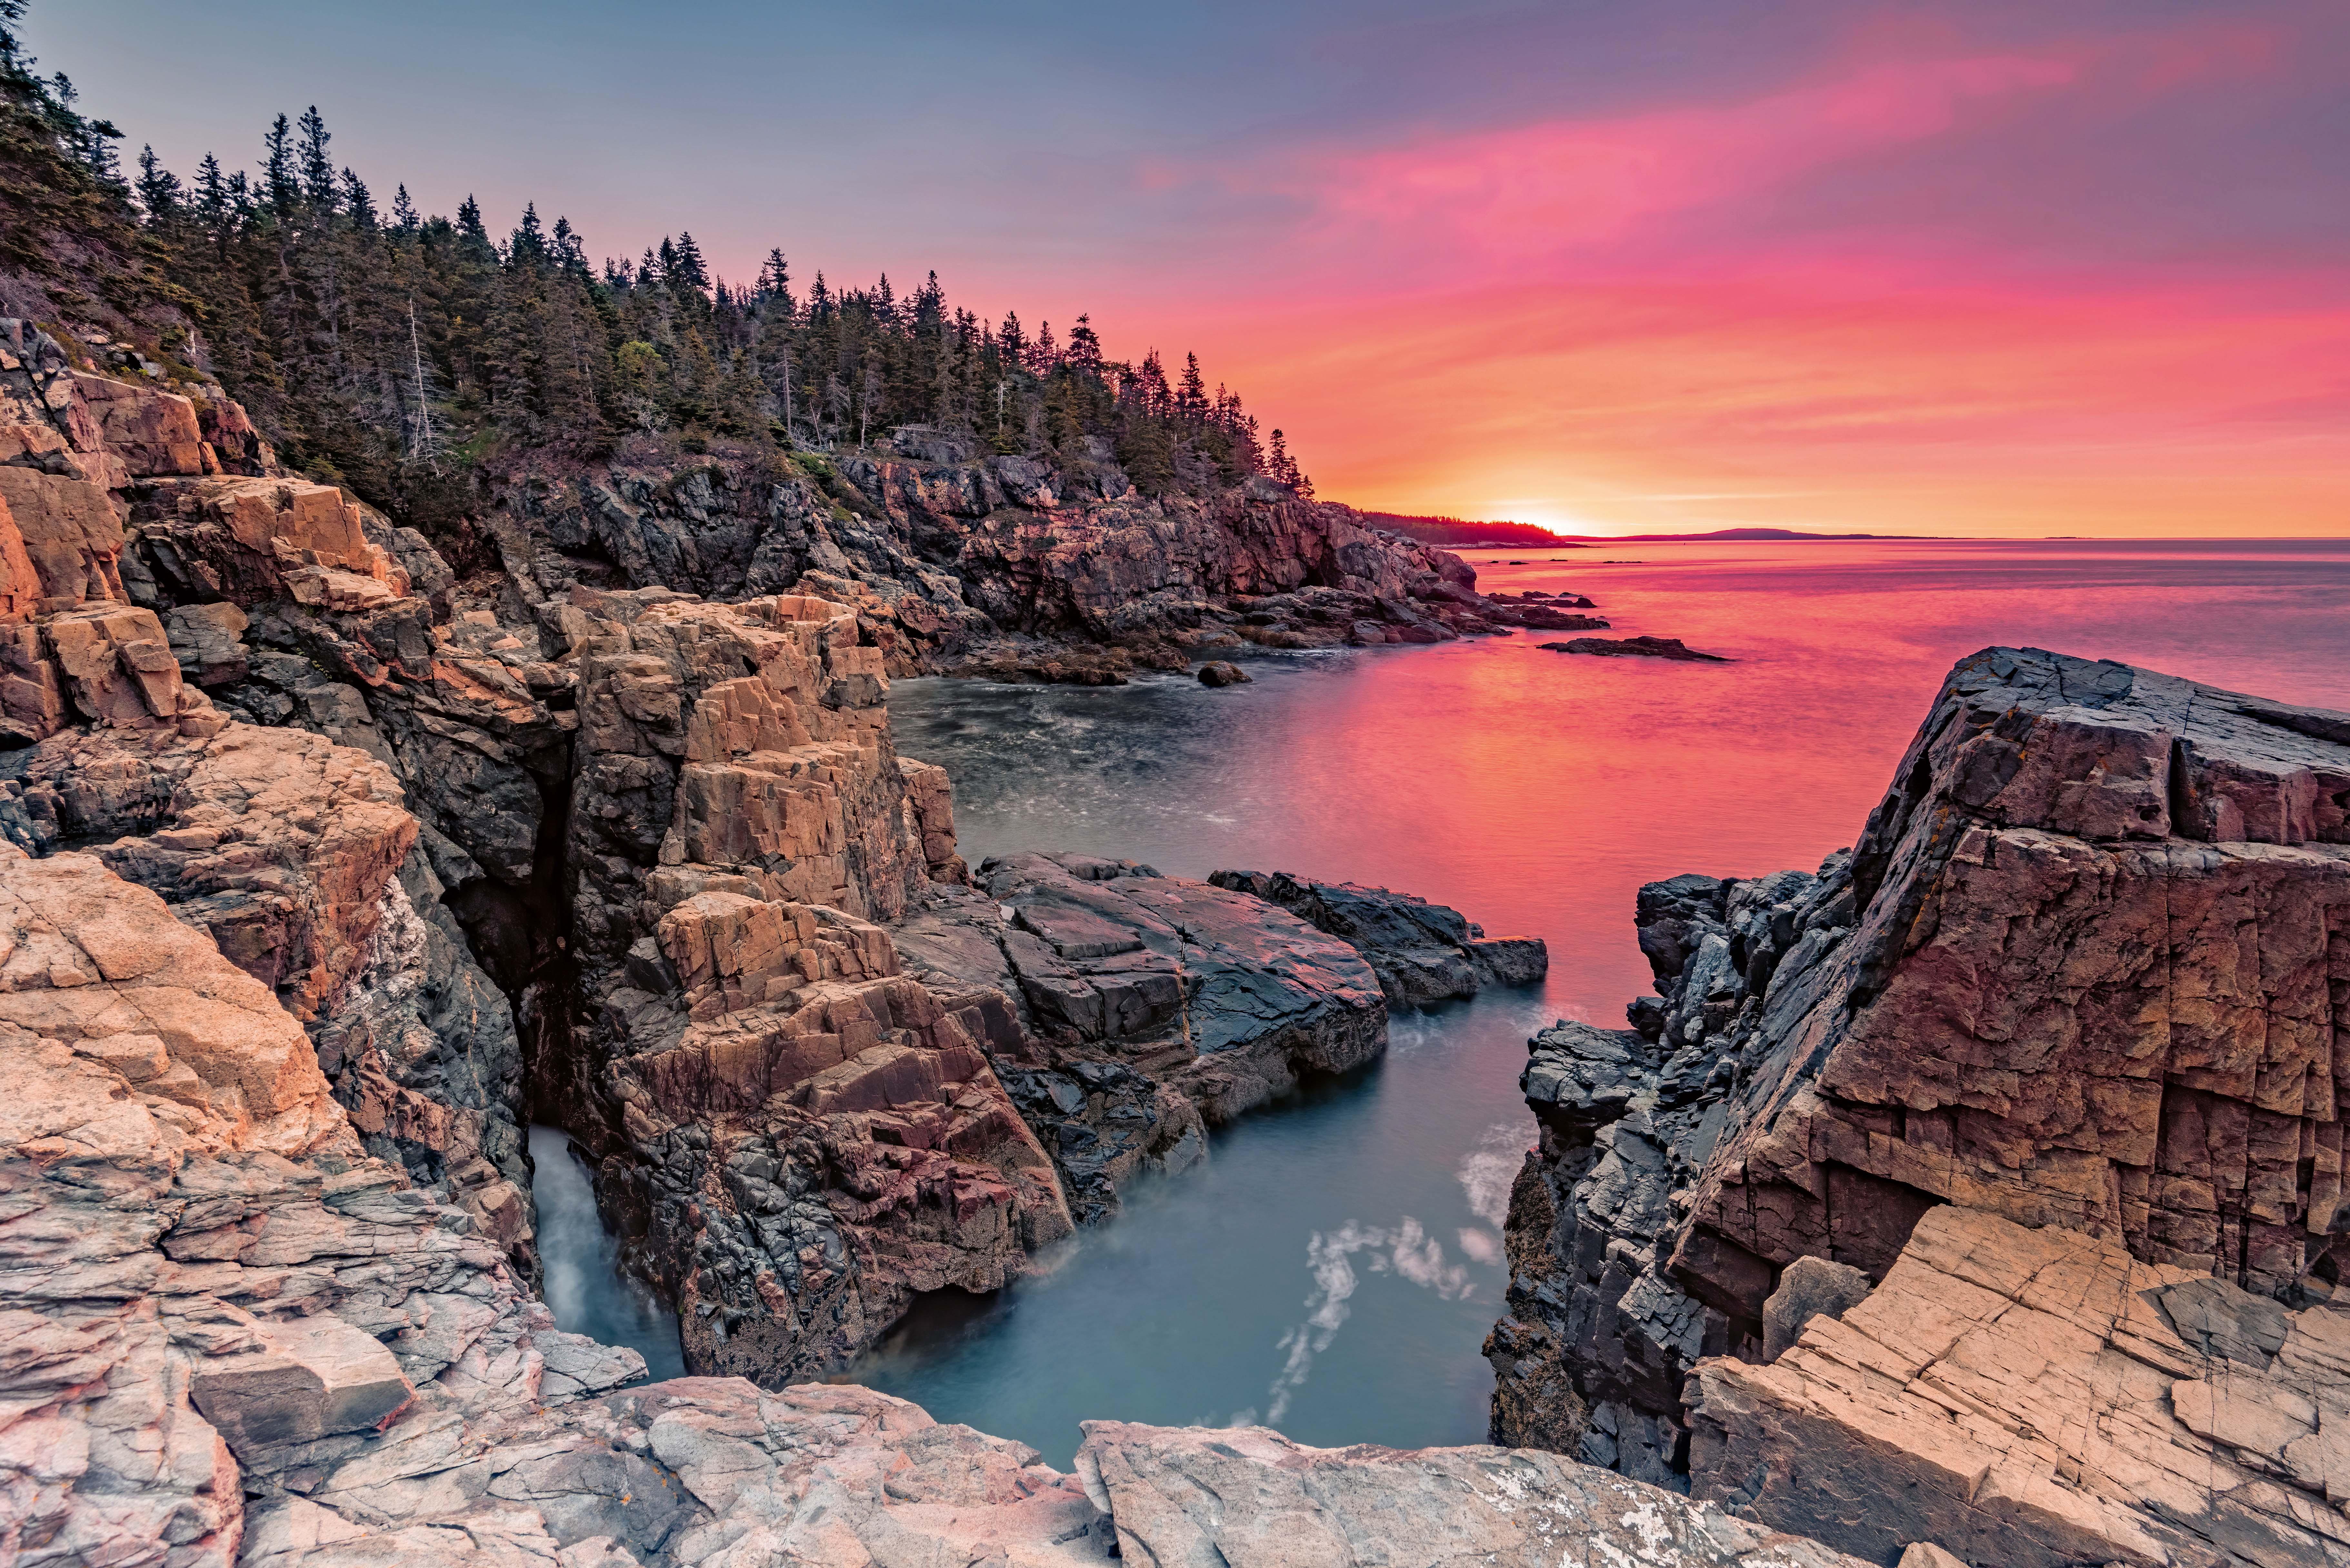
point(278, 843)
point(1134, 1007)
point(1631, 647)
point(256, 539)
point(153, 433)
point(1220, 672)
point(2030, 990)
point(2027, 1399)
point(929, 800)
point(814, 1139)
point(295, 856)
point(207, 640)
point(1422, 952)
point(72, 537)
point(1808, 1288)
point(96, 971)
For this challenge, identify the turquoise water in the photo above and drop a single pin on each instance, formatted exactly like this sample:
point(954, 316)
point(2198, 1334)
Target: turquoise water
point(1335, 1268)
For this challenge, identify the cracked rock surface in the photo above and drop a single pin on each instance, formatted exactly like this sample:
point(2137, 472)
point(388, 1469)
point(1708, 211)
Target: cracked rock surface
point(2086, 968)
point(2040, 1397)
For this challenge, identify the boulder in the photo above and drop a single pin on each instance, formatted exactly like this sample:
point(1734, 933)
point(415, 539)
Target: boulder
point(1221, 672)
point(308, 1378)
point(1809, 1288)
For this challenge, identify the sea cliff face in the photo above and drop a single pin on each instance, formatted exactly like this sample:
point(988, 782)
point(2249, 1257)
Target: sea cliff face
point(539, 840)
point(2083, 974)
point(266, 1222)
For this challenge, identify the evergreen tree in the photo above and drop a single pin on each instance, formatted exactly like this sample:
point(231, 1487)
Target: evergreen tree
point(317, 170)
point(687, 271)
point(212, 198)
point(403, 211)
point(279, 185)
point(159, 189)
point(358, 202)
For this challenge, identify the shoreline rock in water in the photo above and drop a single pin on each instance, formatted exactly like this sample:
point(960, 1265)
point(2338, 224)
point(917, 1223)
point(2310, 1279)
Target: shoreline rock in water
point(1143, 1008)
point(2033, 994)
point(1633, 647)
point(1422, 952)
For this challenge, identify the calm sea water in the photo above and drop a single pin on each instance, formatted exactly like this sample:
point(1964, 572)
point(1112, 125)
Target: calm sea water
point(1334, 1267)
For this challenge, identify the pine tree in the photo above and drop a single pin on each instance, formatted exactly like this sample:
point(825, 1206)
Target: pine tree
point(1085, 354)
point(317, 169)
point(1191, 397)
point(688, 271)
point(212, 198)
point(159, 188)
point(527, 249)
point(357, 201)
point(403, 211)
point(279, 186)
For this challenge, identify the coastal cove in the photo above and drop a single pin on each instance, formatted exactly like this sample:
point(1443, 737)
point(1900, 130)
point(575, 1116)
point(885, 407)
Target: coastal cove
point(1535, 792)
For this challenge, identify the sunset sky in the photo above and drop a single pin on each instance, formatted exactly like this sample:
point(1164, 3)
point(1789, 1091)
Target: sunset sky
point(1978, 268)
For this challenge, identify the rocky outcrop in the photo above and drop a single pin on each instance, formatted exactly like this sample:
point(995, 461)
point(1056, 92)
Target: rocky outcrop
point(1140, 1005)
point(1422, 952)
point(1633, 647)
point(2082, 970)
point(295, 856)
point(237, 1339)
point(812, 1138)
point(1252, 1496)
point(2037, 1398)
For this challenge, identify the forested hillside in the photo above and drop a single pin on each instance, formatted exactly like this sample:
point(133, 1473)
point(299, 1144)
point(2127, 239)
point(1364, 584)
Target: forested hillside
point(405, 355)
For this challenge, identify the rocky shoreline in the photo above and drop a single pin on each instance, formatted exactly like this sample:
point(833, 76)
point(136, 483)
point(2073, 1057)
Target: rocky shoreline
point(2048, 1059)
point(1973, 1198)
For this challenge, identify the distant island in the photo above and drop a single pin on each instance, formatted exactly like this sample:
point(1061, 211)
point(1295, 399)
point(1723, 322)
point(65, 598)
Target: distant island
point(1456, 533)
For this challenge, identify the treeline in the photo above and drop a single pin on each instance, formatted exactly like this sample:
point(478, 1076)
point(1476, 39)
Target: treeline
point(395, 352)
point(1456, 533)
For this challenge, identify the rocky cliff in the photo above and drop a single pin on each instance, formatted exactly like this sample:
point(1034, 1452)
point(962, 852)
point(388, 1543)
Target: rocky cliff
point(235, 1337)
point(2083, 971)
point(1012, 566)
point(563, 841)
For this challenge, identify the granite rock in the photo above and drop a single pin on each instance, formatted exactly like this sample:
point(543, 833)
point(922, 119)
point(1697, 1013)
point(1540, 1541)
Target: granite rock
point(1140, 1006)
point(2033, 989)
point(2031, 1398)
point(1422, 952)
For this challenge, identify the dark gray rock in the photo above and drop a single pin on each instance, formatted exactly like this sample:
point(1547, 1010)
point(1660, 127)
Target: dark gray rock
point(1422, 952)
point(1146, 1005)
point(1633, 648)
point(1810, 1287)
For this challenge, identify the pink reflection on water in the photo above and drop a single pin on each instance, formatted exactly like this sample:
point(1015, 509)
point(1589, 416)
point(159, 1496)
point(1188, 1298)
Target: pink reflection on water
point(1537, 791)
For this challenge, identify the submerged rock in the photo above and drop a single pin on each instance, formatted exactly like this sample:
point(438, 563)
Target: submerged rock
point(1218, 672)
point(1633, 647)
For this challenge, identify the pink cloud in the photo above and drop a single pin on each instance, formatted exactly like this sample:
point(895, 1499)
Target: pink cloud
point(1558, 184)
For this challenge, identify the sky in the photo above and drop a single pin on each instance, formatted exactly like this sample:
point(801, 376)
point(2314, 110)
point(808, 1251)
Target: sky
point(1984, 268)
